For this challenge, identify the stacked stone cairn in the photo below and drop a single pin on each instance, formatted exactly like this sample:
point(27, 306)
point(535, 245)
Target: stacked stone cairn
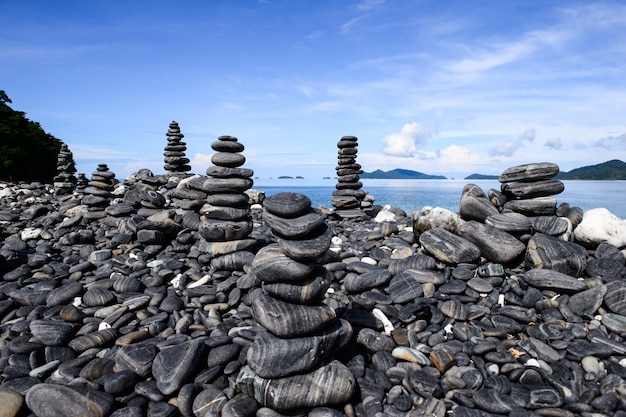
point(175, 160)
point(290, 365)
point(225, 221)
point(65, 181)
point(81, 182)
point(348, 194)
point(98, 192)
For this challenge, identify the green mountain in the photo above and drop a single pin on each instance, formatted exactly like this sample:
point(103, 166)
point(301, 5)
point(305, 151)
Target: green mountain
point(481, 177)
point(400, 174)
point(609, 170)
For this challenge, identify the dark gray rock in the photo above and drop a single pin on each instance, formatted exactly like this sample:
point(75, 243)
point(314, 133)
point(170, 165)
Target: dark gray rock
point(174, 366)
point(475, 205)
point(547, 252)
point(526, 172)
point(510, 222)
point(448, 247)
point(494, 244)
point(52, 400)
point(533, 189)
point(287, 204)
point(551, 279)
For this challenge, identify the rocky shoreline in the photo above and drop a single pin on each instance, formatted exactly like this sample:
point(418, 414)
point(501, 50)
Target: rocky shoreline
point(115, 302)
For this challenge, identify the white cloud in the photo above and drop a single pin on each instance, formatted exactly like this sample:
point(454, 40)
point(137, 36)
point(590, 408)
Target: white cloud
point(554, 143)
point(510, 147)
point(611, 142)
point(405, 143)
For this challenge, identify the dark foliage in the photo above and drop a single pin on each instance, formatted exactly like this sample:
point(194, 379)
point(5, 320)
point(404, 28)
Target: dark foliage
point(401, 174)
point(609, 170)
point(27, 152)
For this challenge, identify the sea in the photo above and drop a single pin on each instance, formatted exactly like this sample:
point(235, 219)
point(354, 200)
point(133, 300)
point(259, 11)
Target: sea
point(411, 195)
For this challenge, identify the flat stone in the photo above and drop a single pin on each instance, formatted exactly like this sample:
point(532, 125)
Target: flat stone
point(52, 400)
point(366, 281)
point(290, 320)
point(273, 357)
point(510, 222)
point(528, 189)
point(494, 244)
point(615, 297)
point(586, 303)
point(209, 402)
point(551, 225)
point(136, 357)
point(232, 146)
point(539, 206)
point(547, 252)
point(299, 227)
point(534, 171)
point(228, 159)
point(224, 230)
point(330, 385)
point(551, 279)
point(306, 291)
point(404, 288)
point(174, 366)
point(311, 248)
point(287, 204)
point(448, 247)
point(52, 332)
point(12, 403)
point(271, 265)
point(475, 205)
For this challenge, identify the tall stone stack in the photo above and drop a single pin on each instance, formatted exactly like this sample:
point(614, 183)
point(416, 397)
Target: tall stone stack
point(65, 181)
point(98, 192)
point(529, 188)
point(226, 223)
point(348, 194)
point(290, 365)
point(175, 160)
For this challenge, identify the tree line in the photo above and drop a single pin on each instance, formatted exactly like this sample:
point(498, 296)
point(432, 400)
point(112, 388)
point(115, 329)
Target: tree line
point(27, 152)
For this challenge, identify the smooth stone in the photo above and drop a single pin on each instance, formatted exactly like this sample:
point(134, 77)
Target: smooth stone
point(608, 269)
point(228, 159)
point(96, 368)
point(493, 401)
point(136, 357)
point(448, 247)
point(298, 227)
point(510, 222)
point(287, 204)
point(224, 230)
point(550, 279)
point(290, 320)
point(225, 248)
point(548, 252)
point(601, 226)
point(226, 172)
point(98, 297)
point(240, 200)
point(424, 383)
point(615, 297)
point(209, 402)
point(308, 291)
point(52, 332)
point(539, 206)
point(366, 281)
point(330, 385)
point(174, 366)
point(586, 303)
point(404, 288)
point(374, 341)
point(428, 218)
point(221, 355)
point(52, 400)
point(224, 213)
point(311, 248)
point(120, 382)
point(240, 406)
point(534, 171)
point(93, 340)
point(273, 357)
point(425, 276)
point(454, 309)
point(231, 146)
point(494, 244)
point(12, 403)
point(532, 189)
point(475, 205)
point(550, 225)
point(398, 266)
point(226, 185)
point(271, 265)
point(614, 322)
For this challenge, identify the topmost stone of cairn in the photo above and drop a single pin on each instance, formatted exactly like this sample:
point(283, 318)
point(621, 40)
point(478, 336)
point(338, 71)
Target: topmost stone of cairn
point(175, 160)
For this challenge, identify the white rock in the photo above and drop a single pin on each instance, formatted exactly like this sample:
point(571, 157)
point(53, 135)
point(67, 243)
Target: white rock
point(385, 216)
point(601, 226)
point(30, 233)
point(428, 218)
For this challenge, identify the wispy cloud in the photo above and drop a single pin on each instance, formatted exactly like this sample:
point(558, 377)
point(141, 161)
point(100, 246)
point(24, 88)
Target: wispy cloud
point(611, 142)
point(405, 143)
point(554, 143)
point(509, 147)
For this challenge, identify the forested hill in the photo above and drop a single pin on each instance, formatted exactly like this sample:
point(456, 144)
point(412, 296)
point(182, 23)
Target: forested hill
point(27, 152)
point(400, 174)
point(610, 170)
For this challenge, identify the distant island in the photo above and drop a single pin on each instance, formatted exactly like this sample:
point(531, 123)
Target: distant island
point(400, 174)
point(606, 171)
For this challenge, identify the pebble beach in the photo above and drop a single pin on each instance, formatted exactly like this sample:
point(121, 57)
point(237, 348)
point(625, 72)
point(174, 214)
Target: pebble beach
point(173, 295)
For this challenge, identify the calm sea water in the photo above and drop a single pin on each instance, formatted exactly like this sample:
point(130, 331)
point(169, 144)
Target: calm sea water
point(410, 195)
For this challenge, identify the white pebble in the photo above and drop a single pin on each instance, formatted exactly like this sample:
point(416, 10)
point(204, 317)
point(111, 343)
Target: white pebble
point(336, 240)
point(590, 364)
point(533, 362)
point(77, 301)
point(369, 261)
point(201, 281)
point(387, 325)
point(176, 280)
point(104, 325)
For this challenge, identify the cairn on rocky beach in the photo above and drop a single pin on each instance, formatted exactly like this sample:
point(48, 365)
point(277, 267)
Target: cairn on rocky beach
point(488, 311)
point(348, 194)
point(290, 364)
point(175, 160)
point(65, 181)
point(98, 192)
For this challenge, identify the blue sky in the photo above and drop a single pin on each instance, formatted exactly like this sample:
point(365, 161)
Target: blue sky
point(441, 87)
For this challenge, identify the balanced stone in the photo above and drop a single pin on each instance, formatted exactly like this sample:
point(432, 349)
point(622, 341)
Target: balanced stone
point(348, 175)
point(448, 247)
point(175, 160)
point(493, 243)
point(536, 171)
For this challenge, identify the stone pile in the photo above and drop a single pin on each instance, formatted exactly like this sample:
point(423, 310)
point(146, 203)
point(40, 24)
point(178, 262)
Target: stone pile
point(98, 192)
point(65, 181)
point(449, 314)
point(348, 194)
point(290, 365)
point(175, 160)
